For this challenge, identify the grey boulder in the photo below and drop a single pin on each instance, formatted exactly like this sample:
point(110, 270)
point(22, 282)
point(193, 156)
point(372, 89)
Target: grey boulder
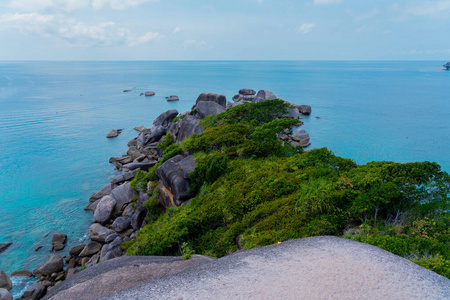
point(219, 99)
point(124, 195)
point(5, 282)
point(302, 136)
point(264, 95)
point(5, 295)
point(34, 292)
point(90, 249)
point(58, 241)
point(187, 127)
point(104, 210)
point(207, 108)
point(174, 177)
point(113, 133)
point(76, 250)
point(54, 265)
point(120, 224)
point(304, 109)
point(173, 98)
point(99, 233)
point(247, 92)
point(165, 118)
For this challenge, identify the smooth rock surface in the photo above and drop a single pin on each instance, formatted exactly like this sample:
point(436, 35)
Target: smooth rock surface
point(5, 294)
point(54, 265)
point(99, 233)
point(264, 95)
point(104, 210)
point(108, 277)
point(311, 268)
point(76, 250)
point(123, 195)
point(90, 249)
point(34, 292)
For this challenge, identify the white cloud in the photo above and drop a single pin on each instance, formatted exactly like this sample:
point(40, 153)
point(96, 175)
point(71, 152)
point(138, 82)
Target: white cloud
point(176, 29)
point(117, 4)
point(71, 5)
point(54, 5)
point(197, 44)
point(430, 8)
point(306, 28)
point(326, 2)
point(74, 31)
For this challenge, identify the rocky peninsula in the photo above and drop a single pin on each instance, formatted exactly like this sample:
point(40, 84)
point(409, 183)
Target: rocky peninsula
point(228, 176)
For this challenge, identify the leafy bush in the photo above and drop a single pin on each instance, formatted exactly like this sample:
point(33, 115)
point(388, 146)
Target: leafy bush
point(435, 263)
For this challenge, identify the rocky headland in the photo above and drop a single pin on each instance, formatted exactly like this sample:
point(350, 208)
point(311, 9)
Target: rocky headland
point(119, 210)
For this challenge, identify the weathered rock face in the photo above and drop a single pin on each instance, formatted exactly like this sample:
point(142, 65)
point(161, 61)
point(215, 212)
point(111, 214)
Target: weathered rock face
point(174, 177)
point(99, 233)
point(58, 241)
point(123, 195)
point(5, 282)
point(219, 99)
point(264, 95)
point(55, 265)
point(4, 246)
point(187, 127)
point(104, 210)
point(207, 108)
point(165, 118)
point(91, 248)
point(304, 109)
point(5, 295)
point(302, 136)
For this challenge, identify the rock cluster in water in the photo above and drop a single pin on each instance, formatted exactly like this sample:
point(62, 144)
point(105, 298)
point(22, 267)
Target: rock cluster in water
point(119, 210)
point(447, 66)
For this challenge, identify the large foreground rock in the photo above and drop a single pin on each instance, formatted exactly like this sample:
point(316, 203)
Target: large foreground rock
point(108, 277)
point(310, 268)
point(5, 282)
point(174, 180)
point(54, 265)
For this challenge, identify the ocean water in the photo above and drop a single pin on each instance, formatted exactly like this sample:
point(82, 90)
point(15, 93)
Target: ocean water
point(54, 117)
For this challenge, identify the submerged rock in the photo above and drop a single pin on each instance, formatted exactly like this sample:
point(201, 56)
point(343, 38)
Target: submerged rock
point(173, 98)
point(149, 94)
point(4, 246)
point(22, 273)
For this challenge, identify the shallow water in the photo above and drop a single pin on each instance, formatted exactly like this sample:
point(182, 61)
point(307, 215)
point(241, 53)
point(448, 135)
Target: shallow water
point(54, 117)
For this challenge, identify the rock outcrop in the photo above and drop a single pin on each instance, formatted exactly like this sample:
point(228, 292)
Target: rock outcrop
point(174, 180)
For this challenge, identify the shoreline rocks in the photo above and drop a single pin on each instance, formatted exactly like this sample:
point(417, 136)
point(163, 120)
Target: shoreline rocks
point(119, 210)
point(5, 282)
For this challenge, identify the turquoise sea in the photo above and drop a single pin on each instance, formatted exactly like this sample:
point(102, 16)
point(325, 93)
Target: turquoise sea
point(54, 117)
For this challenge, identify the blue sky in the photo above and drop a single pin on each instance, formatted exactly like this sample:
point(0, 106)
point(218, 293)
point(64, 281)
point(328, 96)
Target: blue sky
point(224, 29)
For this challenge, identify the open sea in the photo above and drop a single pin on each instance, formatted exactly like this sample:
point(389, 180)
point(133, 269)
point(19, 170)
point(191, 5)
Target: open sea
point(54, 117)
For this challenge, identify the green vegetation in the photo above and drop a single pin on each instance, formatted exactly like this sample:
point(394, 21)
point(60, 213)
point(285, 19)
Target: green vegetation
point(247, 182)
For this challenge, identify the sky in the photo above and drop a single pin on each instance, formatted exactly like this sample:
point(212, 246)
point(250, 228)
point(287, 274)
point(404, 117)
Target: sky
point(224, 30)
